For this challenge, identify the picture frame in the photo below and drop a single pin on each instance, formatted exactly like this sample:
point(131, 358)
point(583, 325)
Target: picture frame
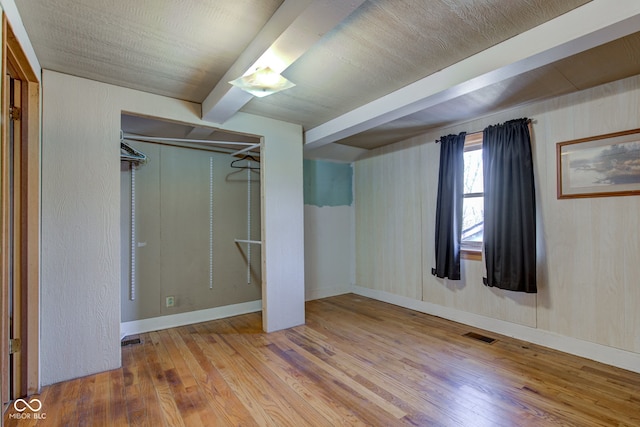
point(599, 166)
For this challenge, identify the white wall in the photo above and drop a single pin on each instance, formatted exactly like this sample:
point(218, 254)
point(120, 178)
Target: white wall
point(80, 276)
point(282, 219)
point(329, 238)
point(328, 250)
point(588, 250)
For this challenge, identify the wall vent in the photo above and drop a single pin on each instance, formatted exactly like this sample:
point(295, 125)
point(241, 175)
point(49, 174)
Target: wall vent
point(130, 341)
point(480, 337)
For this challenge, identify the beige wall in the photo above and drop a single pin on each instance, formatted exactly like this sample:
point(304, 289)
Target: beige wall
point(588, 250)
point(172, 233)
point(80, 274)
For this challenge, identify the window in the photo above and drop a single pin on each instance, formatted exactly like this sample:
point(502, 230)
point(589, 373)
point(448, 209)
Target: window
point(473, 202)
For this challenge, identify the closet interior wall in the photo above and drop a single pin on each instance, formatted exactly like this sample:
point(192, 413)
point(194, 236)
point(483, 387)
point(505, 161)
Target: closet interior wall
point(190, 207)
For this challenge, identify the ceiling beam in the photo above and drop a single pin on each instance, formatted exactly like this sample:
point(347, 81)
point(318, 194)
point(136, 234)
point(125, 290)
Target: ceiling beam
point(292, 30)
point(583, 28)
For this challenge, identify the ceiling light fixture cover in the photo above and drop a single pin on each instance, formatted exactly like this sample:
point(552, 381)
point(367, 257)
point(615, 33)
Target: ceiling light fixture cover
point(263, 82)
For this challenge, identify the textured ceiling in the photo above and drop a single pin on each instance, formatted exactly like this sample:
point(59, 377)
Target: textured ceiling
point(386, 45)
point(182, 49)
point(609, 62)
point(174, 48)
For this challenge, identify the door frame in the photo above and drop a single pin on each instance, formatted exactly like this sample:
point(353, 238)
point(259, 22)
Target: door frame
point(26, 249)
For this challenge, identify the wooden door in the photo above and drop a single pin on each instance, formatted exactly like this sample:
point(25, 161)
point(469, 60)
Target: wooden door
point(19, 222)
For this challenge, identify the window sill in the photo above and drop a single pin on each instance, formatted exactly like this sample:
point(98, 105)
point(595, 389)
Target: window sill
point(475, 255)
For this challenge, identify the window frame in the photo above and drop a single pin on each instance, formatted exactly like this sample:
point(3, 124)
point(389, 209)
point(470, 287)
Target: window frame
point(468, 250)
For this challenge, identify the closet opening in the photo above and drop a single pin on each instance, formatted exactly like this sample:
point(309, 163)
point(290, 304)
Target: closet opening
point(191, 228)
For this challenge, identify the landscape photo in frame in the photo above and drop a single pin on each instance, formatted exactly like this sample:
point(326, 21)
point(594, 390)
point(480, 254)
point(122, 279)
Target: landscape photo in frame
point(599, 166)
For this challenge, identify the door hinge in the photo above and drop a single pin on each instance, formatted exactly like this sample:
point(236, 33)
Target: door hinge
point(14, 345)
point(14, 113)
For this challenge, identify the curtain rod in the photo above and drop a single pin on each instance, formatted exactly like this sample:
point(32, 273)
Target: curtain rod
point(528, 121)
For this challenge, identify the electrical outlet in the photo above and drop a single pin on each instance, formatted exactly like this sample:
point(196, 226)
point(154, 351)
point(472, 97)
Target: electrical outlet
point(171, 301)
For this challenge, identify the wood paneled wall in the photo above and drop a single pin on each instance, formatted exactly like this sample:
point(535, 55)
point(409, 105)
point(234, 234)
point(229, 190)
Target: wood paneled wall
point(591, 246)
point(396, 190)
point(388, 221)
point(588, 249)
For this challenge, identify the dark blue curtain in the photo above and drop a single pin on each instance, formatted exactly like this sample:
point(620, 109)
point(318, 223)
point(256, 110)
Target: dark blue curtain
point(509, 207)
point(449, 207)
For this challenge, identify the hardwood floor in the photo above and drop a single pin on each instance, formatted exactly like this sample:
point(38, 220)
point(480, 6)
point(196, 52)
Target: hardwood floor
point(356, 362)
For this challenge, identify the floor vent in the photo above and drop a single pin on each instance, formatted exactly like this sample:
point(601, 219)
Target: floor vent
point(480, 337)
point(130, 341)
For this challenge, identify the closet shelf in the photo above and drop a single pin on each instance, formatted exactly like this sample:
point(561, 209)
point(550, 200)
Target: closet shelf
point(253, 242)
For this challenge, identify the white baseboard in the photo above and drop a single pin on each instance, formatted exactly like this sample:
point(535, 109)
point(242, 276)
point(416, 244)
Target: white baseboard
point(611, 356)
point(311, 294)
point(181, 319)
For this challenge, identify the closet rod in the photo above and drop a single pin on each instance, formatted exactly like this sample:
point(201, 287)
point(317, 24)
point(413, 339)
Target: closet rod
point(154, 138)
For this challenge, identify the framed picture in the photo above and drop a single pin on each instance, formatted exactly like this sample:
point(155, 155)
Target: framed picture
point(600, 166)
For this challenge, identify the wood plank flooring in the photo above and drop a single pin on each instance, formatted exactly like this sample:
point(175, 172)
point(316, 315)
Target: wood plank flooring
point(356, 362)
